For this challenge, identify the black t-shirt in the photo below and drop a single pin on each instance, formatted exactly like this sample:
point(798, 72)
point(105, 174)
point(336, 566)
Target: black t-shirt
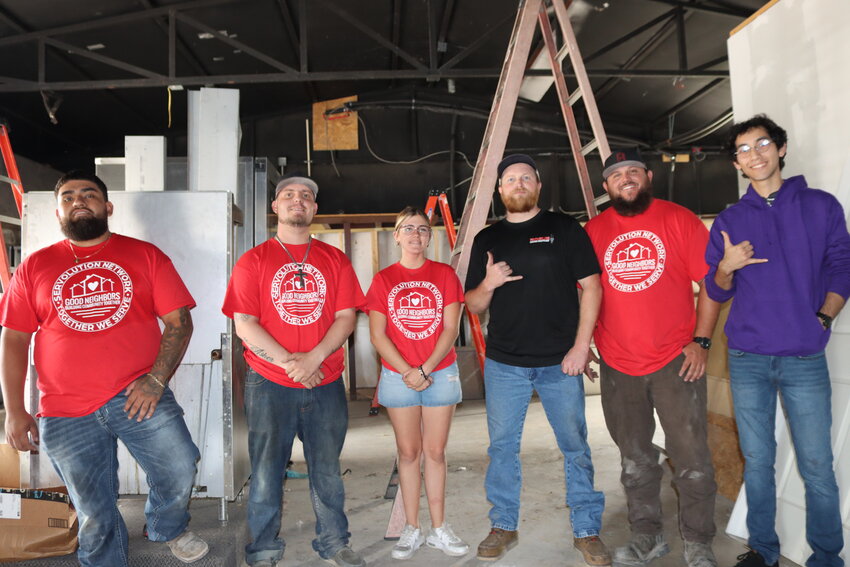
point(533, 321)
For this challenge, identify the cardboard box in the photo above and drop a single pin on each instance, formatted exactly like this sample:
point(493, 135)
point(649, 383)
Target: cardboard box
point(34, 523)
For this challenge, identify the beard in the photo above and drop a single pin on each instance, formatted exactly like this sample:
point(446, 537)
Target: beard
point(83, 229)
point(636, 206)
point(520, 203)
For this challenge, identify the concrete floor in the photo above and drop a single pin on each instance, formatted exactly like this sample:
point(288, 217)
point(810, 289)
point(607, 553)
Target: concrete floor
point(545, 536)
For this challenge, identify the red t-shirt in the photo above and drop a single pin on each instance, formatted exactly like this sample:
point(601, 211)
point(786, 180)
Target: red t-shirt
point(265, 283)
point(648, 262)
point(97, 321)
point(413, 302)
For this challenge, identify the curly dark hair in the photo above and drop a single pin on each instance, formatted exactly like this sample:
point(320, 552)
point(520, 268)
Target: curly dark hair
point(774, 130)
point(79, 174)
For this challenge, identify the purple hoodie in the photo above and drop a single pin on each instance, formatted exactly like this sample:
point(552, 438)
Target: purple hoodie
point(804, 237)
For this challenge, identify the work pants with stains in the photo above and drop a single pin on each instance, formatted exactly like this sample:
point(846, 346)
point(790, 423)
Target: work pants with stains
point(628, 403)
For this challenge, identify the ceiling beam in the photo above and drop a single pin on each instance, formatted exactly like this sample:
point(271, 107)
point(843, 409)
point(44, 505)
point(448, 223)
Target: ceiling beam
point(691, 5)
point(320, 76)
point(635, 32)
point(349, 17)
point(82, 52)
point(179, 45)
point(255, 53)
point(110, 21)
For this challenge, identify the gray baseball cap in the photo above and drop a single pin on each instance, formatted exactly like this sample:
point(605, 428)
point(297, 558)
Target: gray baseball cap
point(296, 179)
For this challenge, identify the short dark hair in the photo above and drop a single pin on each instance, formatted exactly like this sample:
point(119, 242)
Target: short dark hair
point(774, 130)
point(79, 174)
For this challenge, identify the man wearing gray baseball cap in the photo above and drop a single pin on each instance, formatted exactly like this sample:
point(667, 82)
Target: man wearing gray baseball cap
point(293, 301)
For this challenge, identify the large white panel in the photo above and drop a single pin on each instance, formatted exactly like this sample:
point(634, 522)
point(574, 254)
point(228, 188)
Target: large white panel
point(791, 63)
point(144, 158)
point(214, 134)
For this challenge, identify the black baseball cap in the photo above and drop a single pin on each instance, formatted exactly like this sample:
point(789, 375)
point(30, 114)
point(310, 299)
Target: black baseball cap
point(618, 158)
point(508, 161)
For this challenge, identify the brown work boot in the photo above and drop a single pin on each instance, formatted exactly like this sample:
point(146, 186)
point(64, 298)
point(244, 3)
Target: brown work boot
point(497, 543)
point(594, 551)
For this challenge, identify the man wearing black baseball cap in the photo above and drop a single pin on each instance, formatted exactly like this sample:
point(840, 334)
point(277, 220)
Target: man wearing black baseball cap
point(654, 348)
point(524, 269)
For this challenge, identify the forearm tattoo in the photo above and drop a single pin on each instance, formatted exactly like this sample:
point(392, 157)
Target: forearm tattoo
point(175, 339)
point(260, 352)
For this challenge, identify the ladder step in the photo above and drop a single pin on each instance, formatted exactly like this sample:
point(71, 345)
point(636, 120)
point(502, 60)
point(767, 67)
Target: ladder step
point(9, 180)
point(575, 97)
point(589, 147)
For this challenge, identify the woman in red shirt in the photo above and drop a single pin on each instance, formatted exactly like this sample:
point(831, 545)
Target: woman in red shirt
point(414, 314)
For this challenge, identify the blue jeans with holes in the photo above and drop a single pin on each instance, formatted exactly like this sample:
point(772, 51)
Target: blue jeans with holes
point(83, 451)
point(803, 383)
point(276, 414)
point(508, 393)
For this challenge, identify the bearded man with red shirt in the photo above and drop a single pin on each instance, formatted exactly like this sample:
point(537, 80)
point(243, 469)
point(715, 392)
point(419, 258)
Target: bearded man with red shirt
point(95, 301)
point(654, 346)
point(293, 300)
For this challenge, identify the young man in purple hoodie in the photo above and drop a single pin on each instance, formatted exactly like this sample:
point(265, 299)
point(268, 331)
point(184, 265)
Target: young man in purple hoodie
point(783, 253)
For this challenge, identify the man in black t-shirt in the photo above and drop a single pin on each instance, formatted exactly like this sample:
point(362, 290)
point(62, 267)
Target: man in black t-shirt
point(524, 269)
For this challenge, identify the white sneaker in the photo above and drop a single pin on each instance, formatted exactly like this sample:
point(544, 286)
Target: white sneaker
point(411, 539)
point(444, 539)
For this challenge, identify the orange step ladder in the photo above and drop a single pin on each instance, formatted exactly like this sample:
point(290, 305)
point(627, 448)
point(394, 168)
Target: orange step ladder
point(13, 178)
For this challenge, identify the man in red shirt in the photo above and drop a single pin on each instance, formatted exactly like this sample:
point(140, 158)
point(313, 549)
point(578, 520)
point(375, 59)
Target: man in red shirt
point(293, 300)
point(654, 346)
point(95, 300)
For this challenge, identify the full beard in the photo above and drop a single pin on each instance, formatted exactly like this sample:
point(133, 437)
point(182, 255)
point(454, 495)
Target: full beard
point(520, 203)
point(634, 207)
point(83, 229)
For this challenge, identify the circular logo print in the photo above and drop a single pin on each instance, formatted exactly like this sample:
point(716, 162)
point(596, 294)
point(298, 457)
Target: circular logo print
point(415, 308)
point(298, 294)
point(635, 260)
point(92, 296)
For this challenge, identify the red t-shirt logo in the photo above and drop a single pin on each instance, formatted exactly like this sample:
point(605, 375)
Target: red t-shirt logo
point(92, 296)
point(635, 260)
point(298, 297)
point(415, 308)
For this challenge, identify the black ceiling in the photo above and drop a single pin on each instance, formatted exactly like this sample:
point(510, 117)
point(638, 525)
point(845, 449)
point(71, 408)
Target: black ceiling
point(658, 67)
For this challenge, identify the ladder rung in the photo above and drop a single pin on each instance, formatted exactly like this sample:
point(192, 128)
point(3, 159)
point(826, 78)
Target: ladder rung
point(574, 98)
point(9, 180)
point(563, 52)
point(604, 198)
point(589, 147)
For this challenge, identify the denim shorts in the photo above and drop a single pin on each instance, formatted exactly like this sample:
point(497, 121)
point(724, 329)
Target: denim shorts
point(445, 391)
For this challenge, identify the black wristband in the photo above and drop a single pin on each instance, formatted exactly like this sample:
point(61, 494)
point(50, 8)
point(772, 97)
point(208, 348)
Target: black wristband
point(825, 319)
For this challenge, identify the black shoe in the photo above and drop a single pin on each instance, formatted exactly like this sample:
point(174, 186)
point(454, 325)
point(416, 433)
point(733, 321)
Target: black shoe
point(753, 559)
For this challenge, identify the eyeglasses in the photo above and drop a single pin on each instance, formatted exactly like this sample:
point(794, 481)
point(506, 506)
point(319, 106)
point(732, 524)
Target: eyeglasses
point(527, 178)
point(761, 146)
point(409, 229)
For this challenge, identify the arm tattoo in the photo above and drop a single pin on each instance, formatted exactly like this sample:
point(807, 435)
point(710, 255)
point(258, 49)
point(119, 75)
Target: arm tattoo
point(175, 339)
point(260, 352)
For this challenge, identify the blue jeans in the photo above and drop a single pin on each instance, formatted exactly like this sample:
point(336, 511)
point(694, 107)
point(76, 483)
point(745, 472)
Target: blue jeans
point(83, 451)
point(508, 393)
point(320, 419)
point(803, 383)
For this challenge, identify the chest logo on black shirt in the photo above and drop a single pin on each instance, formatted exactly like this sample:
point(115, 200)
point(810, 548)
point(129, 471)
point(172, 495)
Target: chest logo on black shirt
point(634, 261)
point(92, 296)
point(298, 296)
point(415, 308)
point(542, 239)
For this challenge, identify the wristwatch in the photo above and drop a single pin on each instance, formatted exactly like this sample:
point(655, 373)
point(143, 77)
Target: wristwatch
point(825, 319)
point(704, 342)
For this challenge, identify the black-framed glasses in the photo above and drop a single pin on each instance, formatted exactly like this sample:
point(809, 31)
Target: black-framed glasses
point(761, 146)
